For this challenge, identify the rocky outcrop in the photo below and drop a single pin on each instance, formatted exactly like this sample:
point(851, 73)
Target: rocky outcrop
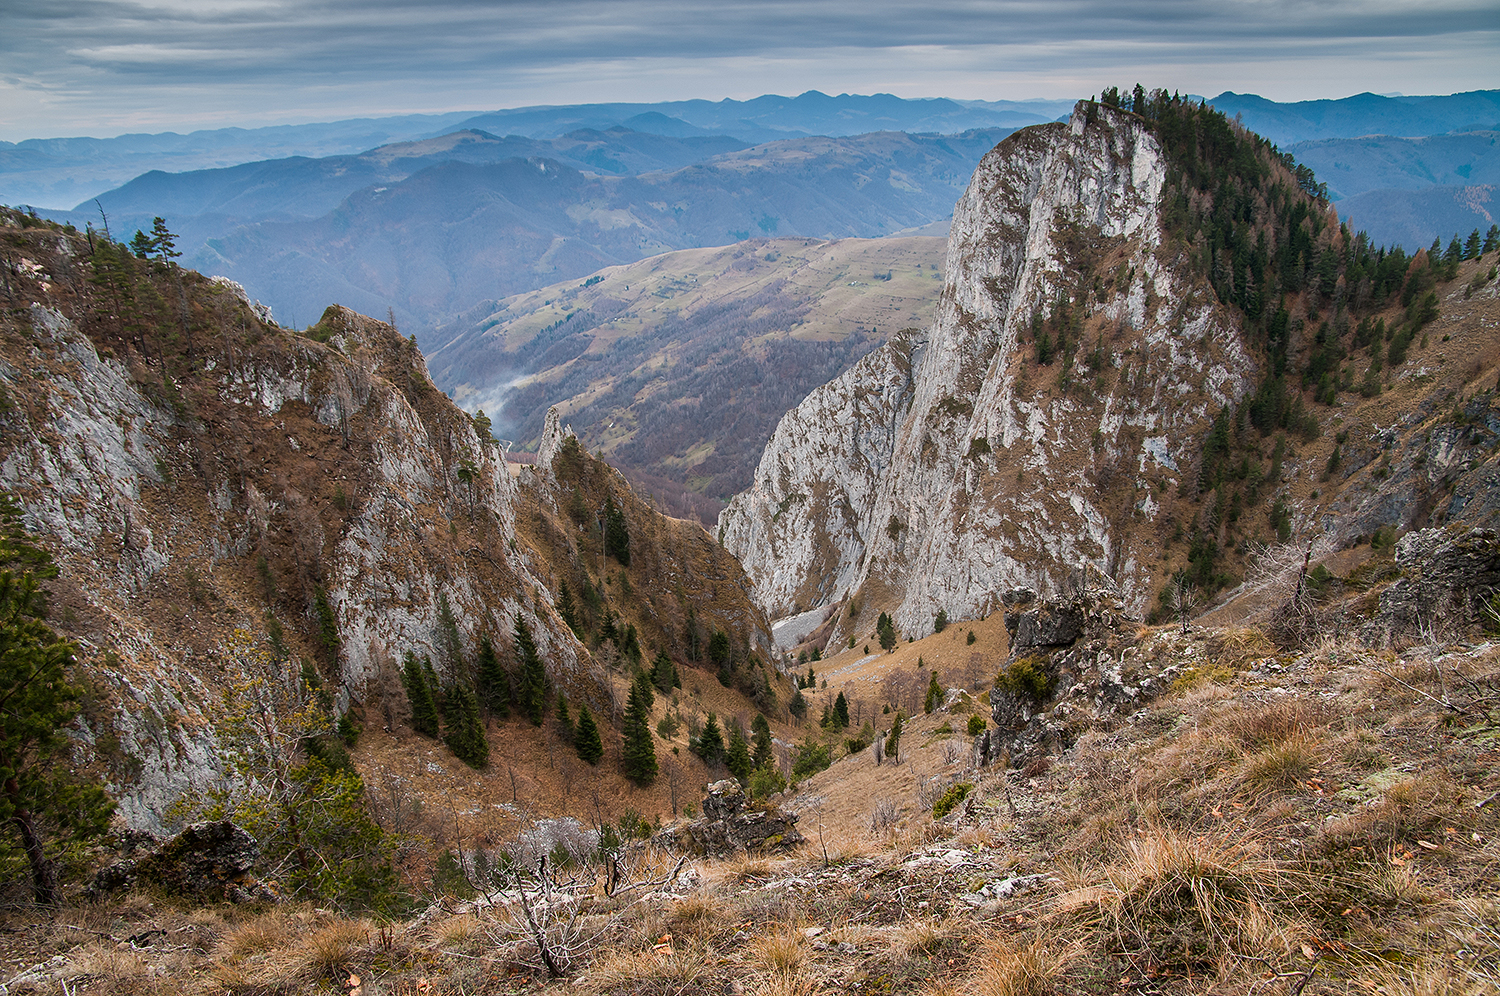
point(1449, 577)
point(948, 466)
point(729, 826)
point(205, 861)
point(1074, 662)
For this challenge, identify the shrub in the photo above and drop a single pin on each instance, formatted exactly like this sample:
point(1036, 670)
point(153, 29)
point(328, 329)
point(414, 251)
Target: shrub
point(765, 782)
point(1027, 678)
point(812, 757)
point(976, 725)
point(950, 799)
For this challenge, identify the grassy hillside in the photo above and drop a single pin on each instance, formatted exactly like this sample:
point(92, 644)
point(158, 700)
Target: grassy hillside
point(677, 367)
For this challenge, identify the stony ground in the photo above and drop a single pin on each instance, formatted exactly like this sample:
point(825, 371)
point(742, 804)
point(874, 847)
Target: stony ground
point(1316, 823)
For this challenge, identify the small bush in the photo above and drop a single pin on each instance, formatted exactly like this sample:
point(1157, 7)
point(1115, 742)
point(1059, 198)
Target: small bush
point(950, 799)
point(976, 725)
point(1027, 678)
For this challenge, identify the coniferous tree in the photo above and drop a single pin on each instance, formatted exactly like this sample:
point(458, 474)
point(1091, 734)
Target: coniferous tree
point(163, 240)
point(424, 710)
point(533, 674)
point(664, 673)
point(934, 695)
point(465, 735)
point(841, 711)
point(493, 681)
point(141, 245)
point(567, 609)
point(886, 629)
point(616, 532)
point(639, 752)
point(737, 758)
point(761, 728)
point(41, 790)
point(710, 743)
point(586, 740)
point(797, 704)
point(643, 682)
point(893, 740)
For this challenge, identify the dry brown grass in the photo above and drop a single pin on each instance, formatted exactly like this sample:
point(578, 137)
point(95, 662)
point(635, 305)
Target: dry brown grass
point(1422, 804)
point(781, 951)
point(1029, 967)
point(1191, 901)
point(110, 966)
point(330, 947)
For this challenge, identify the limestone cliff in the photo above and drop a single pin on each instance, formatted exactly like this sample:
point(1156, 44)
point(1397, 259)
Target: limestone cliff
point(946, 467)
point(225, 497)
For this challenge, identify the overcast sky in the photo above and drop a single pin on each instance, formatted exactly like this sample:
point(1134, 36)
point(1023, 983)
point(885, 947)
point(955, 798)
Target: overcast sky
point(103, 67)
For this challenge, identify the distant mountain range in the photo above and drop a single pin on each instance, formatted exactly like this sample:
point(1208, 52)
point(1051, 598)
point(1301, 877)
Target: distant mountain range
point(462, 208)
point(425, 233)
point(56, 173)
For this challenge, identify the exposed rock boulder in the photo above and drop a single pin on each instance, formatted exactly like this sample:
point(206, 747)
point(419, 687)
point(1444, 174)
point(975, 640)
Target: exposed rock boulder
point(1073, 663)
point(729, 826)
point(1447, 577)
point(208, 861)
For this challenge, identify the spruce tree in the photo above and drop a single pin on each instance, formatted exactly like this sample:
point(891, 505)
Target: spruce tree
point(616, 532)
point(41, 790)
point(494, 682)
point(465, 735)
point(567, 609)
point(934, 695)
point(710, 743)
point(664, 673)
point(639, 752)
point(893, 740)
point(586, 738)
point(424, 711)
point(841, 711)
point(760, 729)
point(643, 684)
point(533, 674)
point(738, 756)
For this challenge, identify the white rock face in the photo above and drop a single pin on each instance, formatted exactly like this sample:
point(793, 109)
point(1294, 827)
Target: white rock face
point(141, 507)
point(948, 467)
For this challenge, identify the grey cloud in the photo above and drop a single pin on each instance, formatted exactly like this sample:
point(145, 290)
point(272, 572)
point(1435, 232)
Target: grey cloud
point(113, 53)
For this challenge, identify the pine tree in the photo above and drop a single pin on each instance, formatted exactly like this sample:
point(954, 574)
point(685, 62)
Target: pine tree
point(934, 695)
point(567, 609)
point(424, 710)
point(893, 740)
point(887, 632)
point(664, 673)
point(738, 756)
point(797, 704)
point(465, 732)
point(494, 682)
point(761, 727)
point(41, 788)
point(163, 240)
point(586, 740)
point(710, 743)
point(533, 674)
point(841, 711)
point(616, 532)
point(639, 752)
point(141, 245)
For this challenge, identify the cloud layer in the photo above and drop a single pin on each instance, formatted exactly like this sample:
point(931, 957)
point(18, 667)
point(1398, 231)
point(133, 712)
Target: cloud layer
point(104, 66)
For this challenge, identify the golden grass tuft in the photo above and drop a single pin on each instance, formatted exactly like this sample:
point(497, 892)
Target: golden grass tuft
point(330, 946)
point(1285, 764)
point(268, 932)
point(1421, 804)
point(108, 963)
point(781, 951)
point(1186, 901)
point(1031, 969)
